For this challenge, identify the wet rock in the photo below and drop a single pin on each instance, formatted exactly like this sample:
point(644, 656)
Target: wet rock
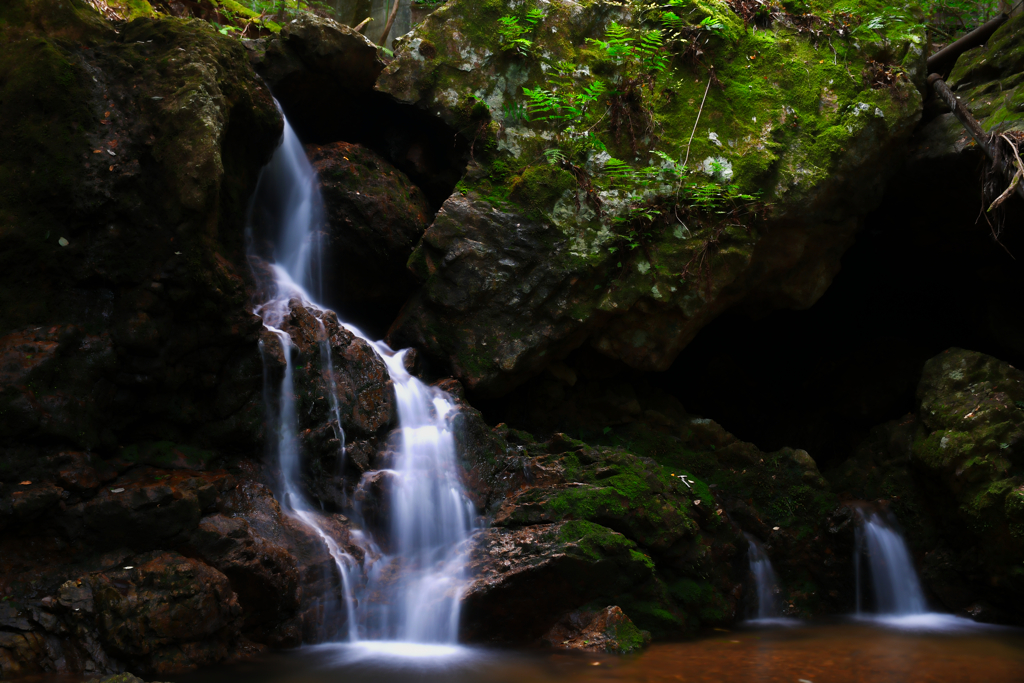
point(263, 574)
point(608, 630)
point(356, 383)
point(951, 473)
point(373, 496)
point(145, 508)
point(375, 216)
point(27, 503)
point(679, 486)
point(123, 295)
point(175, 611)
point(280, 568)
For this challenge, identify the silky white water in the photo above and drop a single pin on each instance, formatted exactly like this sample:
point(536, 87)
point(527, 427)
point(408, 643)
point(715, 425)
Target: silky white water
point(409, 585)
point(882, 556)
point(766, 585)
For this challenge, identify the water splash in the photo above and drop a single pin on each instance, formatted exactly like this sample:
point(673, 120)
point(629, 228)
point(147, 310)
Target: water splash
point(409, 585)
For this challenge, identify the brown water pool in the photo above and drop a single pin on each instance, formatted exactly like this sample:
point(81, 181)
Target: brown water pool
point(861, 652)
point(830, 653)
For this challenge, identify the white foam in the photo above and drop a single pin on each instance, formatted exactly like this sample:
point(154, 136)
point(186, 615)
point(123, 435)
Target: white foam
point(924, 622)
point(398, 653)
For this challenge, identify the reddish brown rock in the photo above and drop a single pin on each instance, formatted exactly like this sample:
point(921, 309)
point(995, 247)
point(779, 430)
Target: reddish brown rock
point(175, 611)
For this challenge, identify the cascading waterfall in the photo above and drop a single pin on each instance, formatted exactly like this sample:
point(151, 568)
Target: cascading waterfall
point(881, 550)
point(765, 582)
point(411, 592)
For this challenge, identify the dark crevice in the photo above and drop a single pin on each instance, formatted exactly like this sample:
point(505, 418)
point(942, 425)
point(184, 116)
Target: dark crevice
point(418, 143)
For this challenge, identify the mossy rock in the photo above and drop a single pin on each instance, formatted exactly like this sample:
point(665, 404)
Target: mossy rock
point(637, 271)
point(990, 79)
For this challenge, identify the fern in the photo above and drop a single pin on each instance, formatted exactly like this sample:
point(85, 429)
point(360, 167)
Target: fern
point(555, 156)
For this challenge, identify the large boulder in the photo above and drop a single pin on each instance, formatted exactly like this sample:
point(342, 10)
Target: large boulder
point(577, 223)
point(337, 377)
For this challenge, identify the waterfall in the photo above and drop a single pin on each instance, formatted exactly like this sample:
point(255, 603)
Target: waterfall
point(766, 584)
point(890, 568)
point(408, 586)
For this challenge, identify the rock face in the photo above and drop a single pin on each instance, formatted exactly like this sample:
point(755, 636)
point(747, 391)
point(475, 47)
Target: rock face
point(375, 217)
point(136, 527)
point(356, 381)
point(123, 292)
point(952, 475)
point(987, 80)
point(532, 258)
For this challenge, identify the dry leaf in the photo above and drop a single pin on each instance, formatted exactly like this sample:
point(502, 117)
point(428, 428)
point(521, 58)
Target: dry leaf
point(24, 483)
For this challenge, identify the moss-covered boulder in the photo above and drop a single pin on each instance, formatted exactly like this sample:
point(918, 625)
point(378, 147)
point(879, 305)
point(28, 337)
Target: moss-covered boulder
point(634, 174)
point(669, 492)
point(952, 474)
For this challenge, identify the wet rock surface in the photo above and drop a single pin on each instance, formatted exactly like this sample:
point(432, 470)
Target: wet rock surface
point(356, 383)
point(649, 516)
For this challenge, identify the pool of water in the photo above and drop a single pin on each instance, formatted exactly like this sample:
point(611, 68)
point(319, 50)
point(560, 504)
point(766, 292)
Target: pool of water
point(939, 649)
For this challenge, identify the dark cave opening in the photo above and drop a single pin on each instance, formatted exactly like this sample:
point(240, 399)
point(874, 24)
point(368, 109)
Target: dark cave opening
point(421, 145)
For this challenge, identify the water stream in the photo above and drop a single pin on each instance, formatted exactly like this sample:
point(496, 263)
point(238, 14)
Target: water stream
point(766, 585)
point(408, 586)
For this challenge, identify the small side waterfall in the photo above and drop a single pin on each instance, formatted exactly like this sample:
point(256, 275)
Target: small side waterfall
point(412, 591)
point(884, 569)
point(766, 584)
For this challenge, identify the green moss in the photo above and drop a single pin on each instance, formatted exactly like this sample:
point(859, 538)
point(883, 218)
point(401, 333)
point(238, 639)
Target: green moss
point(539, 187)
point(628, 637)
point(596, 542)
